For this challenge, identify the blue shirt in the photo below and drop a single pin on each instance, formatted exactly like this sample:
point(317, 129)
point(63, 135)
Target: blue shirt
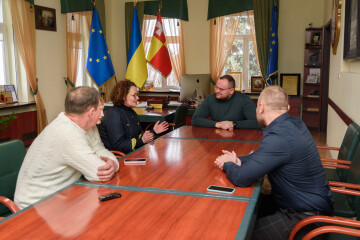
point(289, 156)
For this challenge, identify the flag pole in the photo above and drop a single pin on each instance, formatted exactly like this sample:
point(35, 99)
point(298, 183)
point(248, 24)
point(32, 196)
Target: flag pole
point(160, 5)
point(135, 2)
point(93, 1)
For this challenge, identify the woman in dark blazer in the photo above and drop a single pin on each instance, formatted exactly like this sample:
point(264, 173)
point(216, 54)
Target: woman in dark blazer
point(121, 129)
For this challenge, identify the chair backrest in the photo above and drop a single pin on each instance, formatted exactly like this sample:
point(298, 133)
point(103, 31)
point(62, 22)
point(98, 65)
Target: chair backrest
point(180, 115)
point(353, 176)
point(350, 142)
point(348, 146)
point(12, 154)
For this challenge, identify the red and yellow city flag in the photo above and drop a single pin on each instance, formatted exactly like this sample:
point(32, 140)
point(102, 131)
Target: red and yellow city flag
point(158, 55)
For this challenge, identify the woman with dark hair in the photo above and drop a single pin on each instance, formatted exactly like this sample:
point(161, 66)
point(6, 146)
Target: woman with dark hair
point(121, 129)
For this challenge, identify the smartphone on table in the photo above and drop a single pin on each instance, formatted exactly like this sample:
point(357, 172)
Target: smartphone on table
point(129, 161)
point(213, 188)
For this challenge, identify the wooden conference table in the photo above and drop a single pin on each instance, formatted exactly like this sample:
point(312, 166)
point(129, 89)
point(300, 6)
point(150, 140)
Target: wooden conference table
point(164, 199)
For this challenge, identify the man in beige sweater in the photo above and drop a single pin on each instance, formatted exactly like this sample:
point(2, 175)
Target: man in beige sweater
point(65, 150)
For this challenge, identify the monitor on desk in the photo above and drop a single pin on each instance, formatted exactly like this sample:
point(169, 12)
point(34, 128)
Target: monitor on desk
point(195, 87)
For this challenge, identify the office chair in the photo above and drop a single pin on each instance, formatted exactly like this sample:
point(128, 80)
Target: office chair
point(348, 205)
point(179, 118)
point(346, 152)
point(12, 155)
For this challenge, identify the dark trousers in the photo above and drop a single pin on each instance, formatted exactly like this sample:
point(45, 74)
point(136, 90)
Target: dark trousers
point(274, 223)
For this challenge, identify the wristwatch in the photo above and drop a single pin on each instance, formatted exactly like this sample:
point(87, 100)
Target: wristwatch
point(234, 123)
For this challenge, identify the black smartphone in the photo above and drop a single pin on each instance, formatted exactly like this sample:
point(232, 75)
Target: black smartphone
point(135, 161)
point(219, 189)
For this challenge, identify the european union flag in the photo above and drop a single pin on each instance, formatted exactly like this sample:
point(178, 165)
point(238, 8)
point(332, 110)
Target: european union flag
point(98, 64)
point(272, 66)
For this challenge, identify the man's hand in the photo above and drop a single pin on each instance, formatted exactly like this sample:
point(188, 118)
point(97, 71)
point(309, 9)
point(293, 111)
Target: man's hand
point(147, 137)
point(107, 171)
point(226, 125)
point(161, 127)
point(224, 133)
point(226, 157)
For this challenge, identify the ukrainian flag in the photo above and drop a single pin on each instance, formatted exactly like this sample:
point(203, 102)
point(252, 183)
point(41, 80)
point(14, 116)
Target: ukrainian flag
point(136, 64)
point(98, 65)
point(272, 66)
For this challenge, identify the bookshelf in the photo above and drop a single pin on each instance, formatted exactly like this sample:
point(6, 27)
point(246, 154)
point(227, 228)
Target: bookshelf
point(316, 77)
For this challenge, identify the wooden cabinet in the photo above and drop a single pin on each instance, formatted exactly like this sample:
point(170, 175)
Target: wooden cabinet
point(24, 127)
point(316, 77)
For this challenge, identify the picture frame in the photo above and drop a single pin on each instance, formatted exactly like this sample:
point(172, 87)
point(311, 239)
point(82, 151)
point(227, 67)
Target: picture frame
point(45, 18)
point(352, 30)
point(257, 83)
point(238, 79)
point(315, 38)
point(290, 82)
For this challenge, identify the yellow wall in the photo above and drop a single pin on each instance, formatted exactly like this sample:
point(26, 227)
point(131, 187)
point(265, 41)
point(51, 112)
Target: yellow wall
point(294, 17)
point(51, 62)
point(343, 87)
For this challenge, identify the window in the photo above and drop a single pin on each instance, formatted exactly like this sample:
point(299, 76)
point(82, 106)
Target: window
point(243, 57)
point(172, 34)
point(4, 78)
point(82, 78)
point(12, 70)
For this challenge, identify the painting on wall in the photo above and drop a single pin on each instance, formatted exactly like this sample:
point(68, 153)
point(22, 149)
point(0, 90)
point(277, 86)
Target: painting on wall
point(45, 18)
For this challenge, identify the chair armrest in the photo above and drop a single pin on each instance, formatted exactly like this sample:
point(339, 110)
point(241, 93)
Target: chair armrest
point(10, 204)
point(346, 188)
point(335, 165)
point(118, 154)
point(345, 191)
point(328, 148)
point(344, 184)
point(325, 219)
point(148, 126)
point(172, 124)
point(336, 161)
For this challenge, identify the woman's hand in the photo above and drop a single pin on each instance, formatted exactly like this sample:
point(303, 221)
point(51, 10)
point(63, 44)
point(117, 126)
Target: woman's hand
point(161, 127)
point(147, 137)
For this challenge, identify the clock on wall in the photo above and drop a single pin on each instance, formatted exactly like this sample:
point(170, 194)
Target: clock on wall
point(335, 24)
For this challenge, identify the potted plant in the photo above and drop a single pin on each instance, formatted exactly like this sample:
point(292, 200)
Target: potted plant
point(5, 121)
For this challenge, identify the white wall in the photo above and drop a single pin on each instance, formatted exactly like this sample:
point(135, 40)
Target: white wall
point(51, 62)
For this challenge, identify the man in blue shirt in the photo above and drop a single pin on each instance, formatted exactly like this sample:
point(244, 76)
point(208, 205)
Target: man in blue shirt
point(289, 156)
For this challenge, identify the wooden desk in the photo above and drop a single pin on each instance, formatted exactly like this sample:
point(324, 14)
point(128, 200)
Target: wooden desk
point(182, 164)
point(215, 133)
point(154, 115)
point(164, 199)
point(76, 213)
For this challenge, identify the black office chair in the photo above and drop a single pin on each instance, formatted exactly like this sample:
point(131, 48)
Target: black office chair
point(179, 118)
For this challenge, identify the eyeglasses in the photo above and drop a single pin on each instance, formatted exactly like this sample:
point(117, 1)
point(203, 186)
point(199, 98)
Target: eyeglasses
point(135, 95)
point(221, 89)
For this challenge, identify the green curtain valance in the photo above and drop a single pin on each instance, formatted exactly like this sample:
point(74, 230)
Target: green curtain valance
point(30, 1)
point(69, 6)
point(218, 8)
point(170, 9)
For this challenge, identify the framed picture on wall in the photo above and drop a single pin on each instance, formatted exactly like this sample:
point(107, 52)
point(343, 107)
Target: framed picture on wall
point(238, 79)
point(45, 18)
point(352, 30)
point(290, 82)
point(257, 83)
